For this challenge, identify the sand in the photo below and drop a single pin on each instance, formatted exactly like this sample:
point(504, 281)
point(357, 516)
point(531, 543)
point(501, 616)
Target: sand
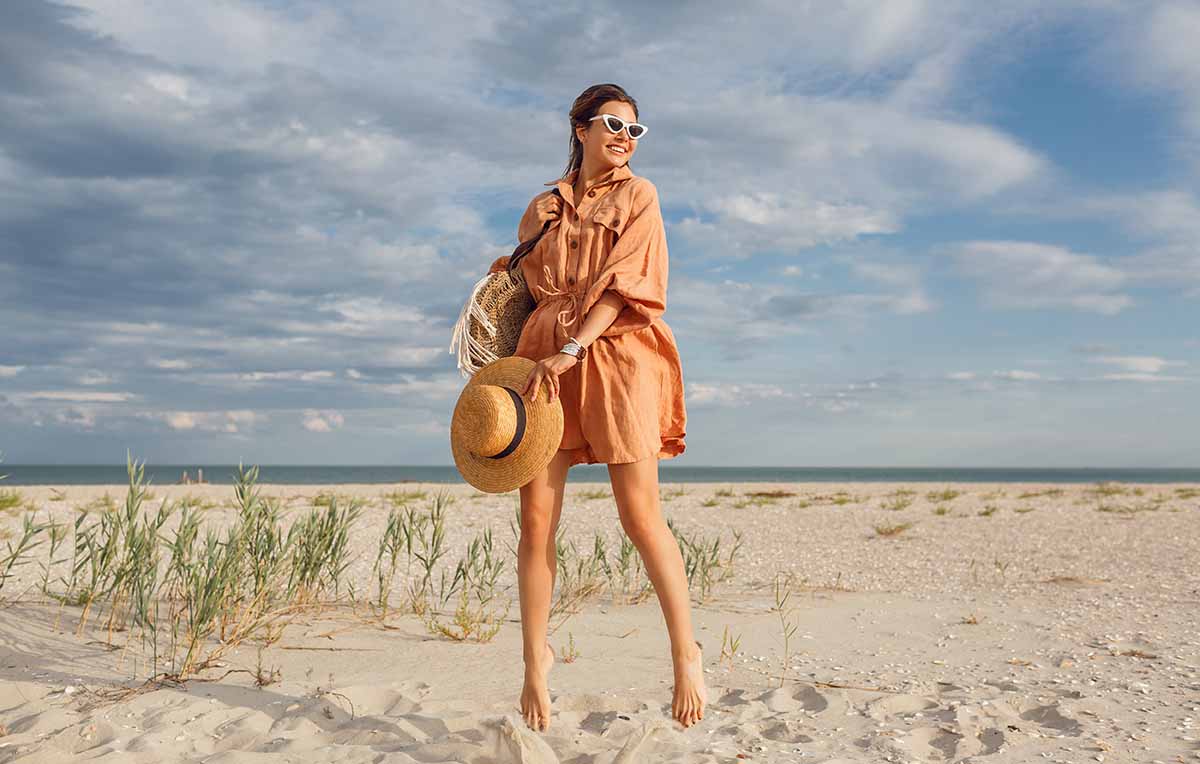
point(1056, 628)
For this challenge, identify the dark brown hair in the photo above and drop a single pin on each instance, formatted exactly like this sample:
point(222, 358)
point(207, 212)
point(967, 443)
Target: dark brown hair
point(585, 107)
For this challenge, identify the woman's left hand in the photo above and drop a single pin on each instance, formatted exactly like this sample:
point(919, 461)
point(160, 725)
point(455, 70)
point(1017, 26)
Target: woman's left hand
point(547, 370)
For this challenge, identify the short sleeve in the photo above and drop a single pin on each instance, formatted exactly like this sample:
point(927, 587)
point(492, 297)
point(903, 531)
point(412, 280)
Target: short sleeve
point(530, 226)
point(636, 267)
point(527, 228)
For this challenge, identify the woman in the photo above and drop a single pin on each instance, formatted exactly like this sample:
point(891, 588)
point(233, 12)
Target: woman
point(599, 276)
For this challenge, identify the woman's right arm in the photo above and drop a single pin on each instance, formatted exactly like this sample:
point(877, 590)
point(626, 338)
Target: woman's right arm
point(537, 212)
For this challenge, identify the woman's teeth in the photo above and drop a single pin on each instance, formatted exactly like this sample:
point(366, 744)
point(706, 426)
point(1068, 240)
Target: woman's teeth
point(616, 149)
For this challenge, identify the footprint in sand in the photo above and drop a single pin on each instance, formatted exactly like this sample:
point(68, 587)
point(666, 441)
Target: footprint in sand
point(787, 731)
point(1050, 716)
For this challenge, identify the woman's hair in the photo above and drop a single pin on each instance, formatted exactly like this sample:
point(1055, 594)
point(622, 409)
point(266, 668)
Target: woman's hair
point(584, 108)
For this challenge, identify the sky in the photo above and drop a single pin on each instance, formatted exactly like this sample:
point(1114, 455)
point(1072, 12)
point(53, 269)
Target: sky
point(900, 234)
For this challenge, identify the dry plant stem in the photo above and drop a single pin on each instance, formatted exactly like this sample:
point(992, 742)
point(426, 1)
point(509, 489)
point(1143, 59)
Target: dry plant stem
point(788, 627)
point(197, 592)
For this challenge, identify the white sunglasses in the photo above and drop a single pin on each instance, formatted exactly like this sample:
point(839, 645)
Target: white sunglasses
point(615, 124)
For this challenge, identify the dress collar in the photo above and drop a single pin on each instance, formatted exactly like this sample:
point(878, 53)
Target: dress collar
point(620, 172)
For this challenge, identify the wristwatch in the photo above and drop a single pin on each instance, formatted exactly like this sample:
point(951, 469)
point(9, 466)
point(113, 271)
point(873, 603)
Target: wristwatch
point(574, 348)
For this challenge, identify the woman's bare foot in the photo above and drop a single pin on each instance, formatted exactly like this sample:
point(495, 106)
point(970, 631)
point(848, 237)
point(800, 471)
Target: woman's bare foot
point(535, 697)
point(690, 693)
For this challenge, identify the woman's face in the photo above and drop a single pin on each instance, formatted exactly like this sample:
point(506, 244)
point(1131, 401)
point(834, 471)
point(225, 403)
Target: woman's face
point(602, 149)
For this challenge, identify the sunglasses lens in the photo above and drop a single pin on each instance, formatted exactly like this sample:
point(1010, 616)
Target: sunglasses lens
point(636, 131)
point(613, 124)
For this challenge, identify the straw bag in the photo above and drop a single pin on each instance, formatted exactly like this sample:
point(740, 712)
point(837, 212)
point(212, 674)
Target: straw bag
point(491, 321)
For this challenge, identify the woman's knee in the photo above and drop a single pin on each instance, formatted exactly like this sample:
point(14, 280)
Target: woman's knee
point(641, 518)
point(541, 500)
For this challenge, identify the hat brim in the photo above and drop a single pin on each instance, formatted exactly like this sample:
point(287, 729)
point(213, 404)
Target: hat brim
point(542, 437)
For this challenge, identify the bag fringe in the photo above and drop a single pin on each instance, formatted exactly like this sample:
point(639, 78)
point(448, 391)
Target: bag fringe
point(468, 346)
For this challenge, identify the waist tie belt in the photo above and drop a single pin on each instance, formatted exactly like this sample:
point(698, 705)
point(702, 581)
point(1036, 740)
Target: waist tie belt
point(572, 310)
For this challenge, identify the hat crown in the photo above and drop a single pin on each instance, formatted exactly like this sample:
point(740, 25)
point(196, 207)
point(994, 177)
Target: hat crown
point(500, 439)
point(485, 419)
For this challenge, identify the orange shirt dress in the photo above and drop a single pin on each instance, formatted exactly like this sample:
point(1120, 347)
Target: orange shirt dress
point(624, 401)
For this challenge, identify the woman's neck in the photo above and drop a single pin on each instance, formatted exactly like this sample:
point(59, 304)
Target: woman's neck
point(584, 179)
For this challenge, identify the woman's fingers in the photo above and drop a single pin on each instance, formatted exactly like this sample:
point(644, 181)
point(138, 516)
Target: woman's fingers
point(537, 376)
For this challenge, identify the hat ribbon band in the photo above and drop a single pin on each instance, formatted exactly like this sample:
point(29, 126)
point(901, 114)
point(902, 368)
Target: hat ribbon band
point(519, 433)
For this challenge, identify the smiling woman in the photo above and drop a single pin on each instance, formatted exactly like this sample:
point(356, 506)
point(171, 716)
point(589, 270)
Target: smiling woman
point(599, 276)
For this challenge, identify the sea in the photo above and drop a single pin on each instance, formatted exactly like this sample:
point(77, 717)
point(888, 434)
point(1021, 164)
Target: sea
point(222, 474)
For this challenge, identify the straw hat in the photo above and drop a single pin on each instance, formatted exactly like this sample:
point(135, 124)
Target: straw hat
point(500, 440)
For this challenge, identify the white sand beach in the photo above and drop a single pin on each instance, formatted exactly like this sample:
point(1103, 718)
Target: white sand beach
point(1008, 623)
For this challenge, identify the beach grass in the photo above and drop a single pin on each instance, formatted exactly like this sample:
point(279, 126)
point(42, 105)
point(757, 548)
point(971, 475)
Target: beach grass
point(10, 499)
point(898, 502)
point(891, 529)
point(944, 495)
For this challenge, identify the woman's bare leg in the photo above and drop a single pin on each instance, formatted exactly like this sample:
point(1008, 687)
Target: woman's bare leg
point(541, 507)
point(635, 488)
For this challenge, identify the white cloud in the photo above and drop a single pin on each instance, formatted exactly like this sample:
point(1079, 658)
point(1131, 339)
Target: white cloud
point(1174, 264)
point(180, 420)
point(172, 364)
point(437, 388)
point(734, 313)
point(76, 416)
point(322, 421)
point(10, 371)
point(732, 394)
point(224, 34)
point(892, 274)
point(1147, 364)
point(78, 396)
point(762, 220)
point(411, 356)
point(1164, 225)
point(1027, 275)
point(236, 421)
point(817, 171)
point(961, 375)
point(1155, 49)
point(1143, 377)
point(293, 375)
point(231, 422)
point(93, 377)
point(1017, 375)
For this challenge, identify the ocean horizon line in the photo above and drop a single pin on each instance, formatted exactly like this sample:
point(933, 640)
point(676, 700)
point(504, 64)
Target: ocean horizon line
point(320, 474)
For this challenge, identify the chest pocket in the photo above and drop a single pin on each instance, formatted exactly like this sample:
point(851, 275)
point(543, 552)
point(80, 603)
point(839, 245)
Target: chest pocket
point(611, 216)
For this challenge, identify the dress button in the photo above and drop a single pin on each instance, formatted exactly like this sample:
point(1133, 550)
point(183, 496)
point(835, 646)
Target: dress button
point(571, 280)
point(591, 193)
point(574, 244)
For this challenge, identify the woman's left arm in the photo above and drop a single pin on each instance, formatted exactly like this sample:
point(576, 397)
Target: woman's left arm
point(600, 317)
point(635, 270)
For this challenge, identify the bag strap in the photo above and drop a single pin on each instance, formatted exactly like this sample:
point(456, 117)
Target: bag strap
point(525, 247)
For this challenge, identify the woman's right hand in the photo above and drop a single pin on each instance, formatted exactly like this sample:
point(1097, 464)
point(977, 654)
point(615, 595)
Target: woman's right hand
point(545, 373)
point(548, 207)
